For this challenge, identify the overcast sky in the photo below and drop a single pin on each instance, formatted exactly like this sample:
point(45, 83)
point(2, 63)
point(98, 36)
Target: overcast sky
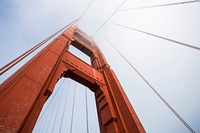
point(172, 69)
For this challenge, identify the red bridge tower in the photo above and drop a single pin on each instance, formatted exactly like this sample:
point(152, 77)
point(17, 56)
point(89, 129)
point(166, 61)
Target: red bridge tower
point(23, 94)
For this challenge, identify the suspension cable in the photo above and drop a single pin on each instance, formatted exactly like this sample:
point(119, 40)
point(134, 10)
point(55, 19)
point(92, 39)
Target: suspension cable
point(57, 110)
point(109, 18)
point(152, 88)
point(161, 37)
point(161, 5)
point(85, 10)
point(72, 117)
point(67, 92)
point(50, 100)
point(55, 104)
point(86, 108)
point(49, 114)
point(40, 123)
point(24, 55)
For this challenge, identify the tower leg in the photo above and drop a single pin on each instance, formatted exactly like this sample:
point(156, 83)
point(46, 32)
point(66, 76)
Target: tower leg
point(24, 93)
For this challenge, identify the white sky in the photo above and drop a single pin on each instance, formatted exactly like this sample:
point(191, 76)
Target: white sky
point(172, 69)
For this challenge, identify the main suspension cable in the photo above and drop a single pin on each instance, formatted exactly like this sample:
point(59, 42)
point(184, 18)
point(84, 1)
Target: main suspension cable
point(72, 117)
point(158, 36)
point(152, 88)
point(109, 18)
point(161, 5)
point(85, 10)
point(24, 55)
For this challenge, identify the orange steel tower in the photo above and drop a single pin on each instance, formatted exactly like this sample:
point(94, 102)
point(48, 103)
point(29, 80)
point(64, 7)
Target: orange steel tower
point(23, 94)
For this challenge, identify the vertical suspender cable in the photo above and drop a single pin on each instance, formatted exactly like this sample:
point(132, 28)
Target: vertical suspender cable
point(57, 110)
point(153, 89)
point(55, 105)
point(64, 109)
point(51, 100)
point(40, 123)
point(86, 108)
point(59, 97)
point(72, 117)
point(48, 114)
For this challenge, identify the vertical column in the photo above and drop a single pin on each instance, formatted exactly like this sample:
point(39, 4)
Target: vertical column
point(113, 104)
point(24, 93)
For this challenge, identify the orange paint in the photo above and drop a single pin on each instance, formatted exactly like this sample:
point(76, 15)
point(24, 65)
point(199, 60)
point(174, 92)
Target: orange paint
point(23, 95)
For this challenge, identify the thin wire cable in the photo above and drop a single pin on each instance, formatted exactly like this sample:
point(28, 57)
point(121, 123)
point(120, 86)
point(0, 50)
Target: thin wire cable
point(50, 100)
point(152, 88)
point(24, 55)
point(161, 5)
point(46, 122)
point(55, 105)
point(85, 10)
point(51, 114)
point(57, 110)
point(72, 117)
point(40, 123)
point(67, 92)
point(86, 108)
point(108, 18)
point(161, 37)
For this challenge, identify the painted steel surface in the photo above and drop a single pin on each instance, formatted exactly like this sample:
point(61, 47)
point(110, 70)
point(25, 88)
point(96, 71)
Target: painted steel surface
point(23, 95)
